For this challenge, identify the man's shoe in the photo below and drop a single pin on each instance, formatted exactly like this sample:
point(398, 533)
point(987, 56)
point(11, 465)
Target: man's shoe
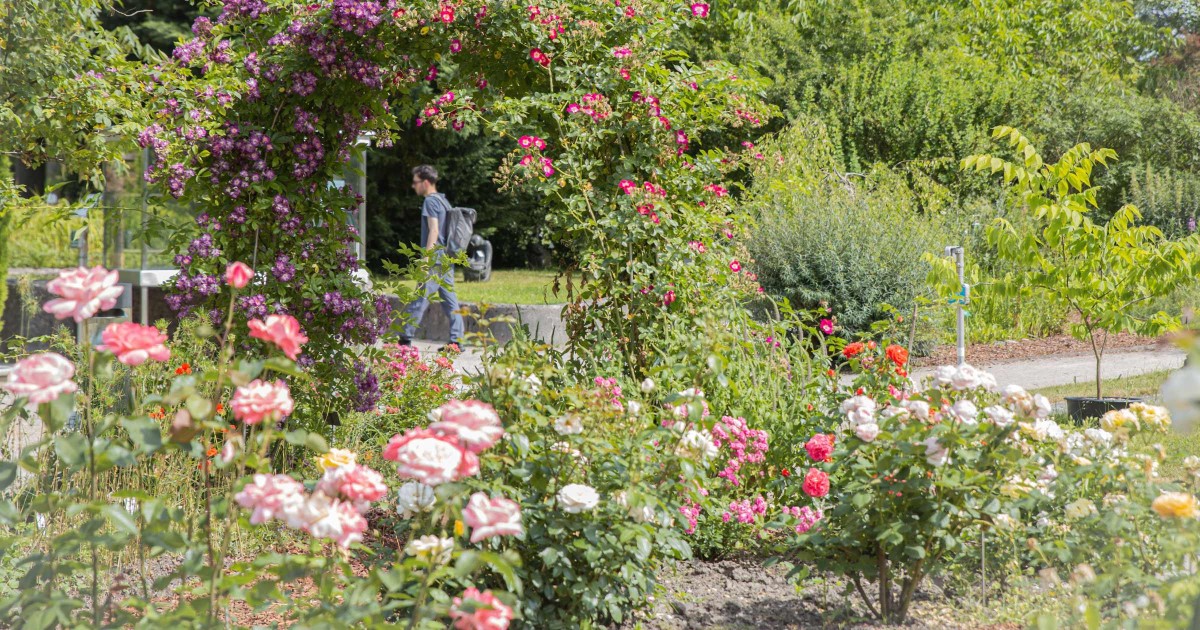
point(405, 341)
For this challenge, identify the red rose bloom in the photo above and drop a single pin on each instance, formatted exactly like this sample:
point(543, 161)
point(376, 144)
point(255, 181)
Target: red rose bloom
point(897, 354)
point(819, 447)
point(785, 473)
point(816, 483)
point(853, 349)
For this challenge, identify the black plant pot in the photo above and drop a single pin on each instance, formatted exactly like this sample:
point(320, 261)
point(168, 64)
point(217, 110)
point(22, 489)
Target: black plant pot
point(1079, 408)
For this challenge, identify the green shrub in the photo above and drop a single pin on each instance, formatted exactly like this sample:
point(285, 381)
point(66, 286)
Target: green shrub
point(853, 242)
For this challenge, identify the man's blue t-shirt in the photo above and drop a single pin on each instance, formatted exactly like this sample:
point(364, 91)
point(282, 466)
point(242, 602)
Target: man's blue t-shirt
point(435, 206)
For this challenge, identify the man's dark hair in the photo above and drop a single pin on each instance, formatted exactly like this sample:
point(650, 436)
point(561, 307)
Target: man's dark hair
point(426, 173)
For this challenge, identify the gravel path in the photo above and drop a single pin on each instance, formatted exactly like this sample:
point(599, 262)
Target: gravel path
point(1048, 371)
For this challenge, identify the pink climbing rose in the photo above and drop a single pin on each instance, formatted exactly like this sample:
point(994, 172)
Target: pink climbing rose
point(260, 401)
point(281, 330)
point(475, 425)
point(429, 457)
point(134, 343)
point(82, 293)
point(700, 9)
point(492, 517)
point(476, 610)
point(238, 274)
point(42, 378)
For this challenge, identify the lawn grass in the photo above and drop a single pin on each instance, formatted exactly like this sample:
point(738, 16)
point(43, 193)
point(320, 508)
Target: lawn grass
point(1178, 445)
point(509, 286)
point(1143, 385)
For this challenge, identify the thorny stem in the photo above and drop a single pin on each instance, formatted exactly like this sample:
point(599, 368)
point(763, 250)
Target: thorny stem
point(217, 558)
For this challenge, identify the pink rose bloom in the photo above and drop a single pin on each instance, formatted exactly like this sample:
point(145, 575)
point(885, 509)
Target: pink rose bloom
point(826, 326)
point(82, 293)
point(627, 186)
point(539, 144)
point(525, 142)
point(482, 612)
point(475, 424)
point(735, 266)
point(816, 483)
point(819, 447)
point(455, 46)
point(259, 400)
point(341, 522)
point(430, 457)
point(270, 496)
point(355, 482)
point(42, 378)
point(238, 274)
point(281, 330)
point(668, 298)
point(492, 517)
point(134, 343)
point(700, 9)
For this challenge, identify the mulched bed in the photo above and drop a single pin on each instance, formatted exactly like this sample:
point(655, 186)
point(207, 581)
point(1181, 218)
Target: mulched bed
point(745, 594)
point(1025, 349)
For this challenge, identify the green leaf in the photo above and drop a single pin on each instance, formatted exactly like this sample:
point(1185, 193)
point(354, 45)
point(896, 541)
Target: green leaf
point(8, 474)
point(71, 449)
point(316, 443)
point(121, 519)
point(144, 432)
point(199, 407)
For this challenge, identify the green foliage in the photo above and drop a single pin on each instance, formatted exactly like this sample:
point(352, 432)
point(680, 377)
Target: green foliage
point(1168, 199)
point(824, 237)
point(1098, 272)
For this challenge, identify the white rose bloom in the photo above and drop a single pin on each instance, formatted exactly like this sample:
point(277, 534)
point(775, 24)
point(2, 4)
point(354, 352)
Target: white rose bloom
point(966, 377)
point(534, 383)
point(935, 453)
point(1016, 487)
point(647, 386)
point(1048, 474)
point(999, 415)
point(867, 432)
point(859, 410)
point(697, 445)
point(1004, 523)
point(1098, 437)
point(576, 498)
point(434, 415)
point(563, 447)
point(918, 408)
point(633, 407)
point(431, 548)
point(1181, 396)
point(413, 498)
point(570, 424)
point(966, 411)
point(1041, 406)
point(1012, 394)
point(944, 375)
point(1191, 463)
point(895, 411)
point(1080, 508)
point(988, 381)
point(299, 512)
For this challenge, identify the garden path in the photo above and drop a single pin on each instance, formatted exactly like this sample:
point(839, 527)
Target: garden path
point(1044, 371)
point(1048, 371)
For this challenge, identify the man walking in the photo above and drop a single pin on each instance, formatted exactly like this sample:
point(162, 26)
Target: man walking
point(433, 234)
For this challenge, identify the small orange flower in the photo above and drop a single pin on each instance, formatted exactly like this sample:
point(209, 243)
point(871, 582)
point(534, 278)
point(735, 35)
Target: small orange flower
point(220, 408)
point(897, 354)
point(186, 368)
point(212, 450)
point(871, 345)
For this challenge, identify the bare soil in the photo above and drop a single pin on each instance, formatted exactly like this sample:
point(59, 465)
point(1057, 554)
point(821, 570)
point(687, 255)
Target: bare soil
point(745, 594)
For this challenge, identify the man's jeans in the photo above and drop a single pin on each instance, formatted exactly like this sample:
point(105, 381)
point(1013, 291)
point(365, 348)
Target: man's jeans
point(449, 305)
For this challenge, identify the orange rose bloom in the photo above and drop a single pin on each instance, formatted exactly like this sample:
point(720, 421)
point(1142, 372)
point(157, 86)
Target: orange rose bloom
point(897, 354)
point(853, 349)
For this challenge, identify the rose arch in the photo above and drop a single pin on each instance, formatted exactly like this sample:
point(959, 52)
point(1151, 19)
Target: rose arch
point(261, 109)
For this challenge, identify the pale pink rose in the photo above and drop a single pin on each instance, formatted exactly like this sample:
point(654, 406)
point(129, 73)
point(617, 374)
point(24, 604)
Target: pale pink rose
point(82, 293)
point(492, 517)
point(134, 343)
point(485, 611)
point(281, 330)
point(42, 378)
point(474, 423)
point(339, 522)
point(355, 482)
point(259, 400)
point(430, 457)
point(238, 274)
point(270, 496)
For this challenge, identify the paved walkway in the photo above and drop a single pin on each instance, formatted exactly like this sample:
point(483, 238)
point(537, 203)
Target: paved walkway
point(1031, 374)
point(1051, 371)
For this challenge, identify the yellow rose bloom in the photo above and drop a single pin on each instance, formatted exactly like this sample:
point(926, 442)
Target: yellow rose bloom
point(1153, 416)
point(1175, 505)
point(336, 457)
point(458, 528)
point(1120, 421)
